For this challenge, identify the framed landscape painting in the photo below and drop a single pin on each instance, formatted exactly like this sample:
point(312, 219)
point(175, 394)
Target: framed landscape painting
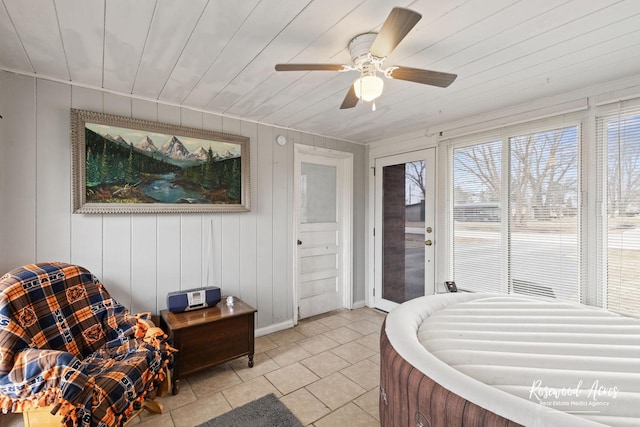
point(124, 165)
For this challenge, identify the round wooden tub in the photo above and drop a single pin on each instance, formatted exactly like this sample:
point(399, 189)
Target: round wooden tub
point(500, 360)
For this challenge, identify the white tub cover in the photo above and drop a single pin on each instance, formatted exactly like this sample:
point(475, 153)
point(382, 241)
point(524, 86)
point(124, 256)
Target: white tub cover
point(536, 362)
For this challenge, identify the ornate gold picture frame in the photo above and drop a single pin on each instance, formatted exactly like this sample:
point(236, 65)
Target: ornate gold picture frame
point(125, 165)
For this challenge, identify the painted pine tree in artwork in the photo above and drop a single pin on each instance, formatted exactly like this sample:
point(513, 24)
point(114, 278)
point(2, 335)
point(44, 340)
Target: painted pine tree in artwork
point(210, 178)
point(131, 174)
point(92, 169)
point(234, 184)
point(106, 170)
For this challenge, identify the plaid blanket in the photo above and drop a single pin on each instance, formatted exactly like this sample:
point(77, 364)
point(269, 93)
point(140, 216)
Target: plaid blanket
point(65, 341)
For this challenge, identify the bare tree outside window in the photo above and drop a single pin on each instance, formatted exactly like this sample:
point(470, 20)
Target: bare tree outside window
point(416, 181)
point(543, 176)
point(482, 163)
point(623, 184)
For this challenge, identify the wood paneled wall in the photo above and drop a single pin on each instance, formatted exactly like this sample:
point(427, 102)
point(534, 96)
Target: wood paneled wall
point(141, 257)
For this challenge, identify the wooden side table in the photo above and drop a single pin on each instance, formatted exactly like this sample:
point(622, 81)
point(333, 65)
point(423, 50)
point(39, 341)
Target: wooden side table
point(209, 336)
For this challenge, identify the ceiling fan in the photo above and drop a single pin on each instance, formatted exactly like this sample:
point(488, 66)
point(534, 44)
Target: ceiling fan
point(368, 53)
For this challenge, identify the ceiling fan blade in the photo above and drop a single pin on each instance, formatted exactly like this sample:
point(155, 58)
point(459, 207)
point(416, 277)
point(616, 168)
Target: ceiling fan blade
point(309, 67)
point(397, 25)
point(351, 100)
point(426, 77)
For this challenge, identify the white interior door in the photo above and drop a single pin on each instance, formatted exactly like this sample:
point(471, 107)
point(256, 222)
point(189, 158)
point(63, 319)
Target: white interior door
point(323, 230)
point(404, 228)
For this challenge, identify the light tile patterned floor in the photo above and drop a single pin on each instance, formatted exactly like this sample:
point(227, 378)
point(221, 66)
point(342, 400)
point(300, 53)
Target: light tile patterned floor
point(326, 370)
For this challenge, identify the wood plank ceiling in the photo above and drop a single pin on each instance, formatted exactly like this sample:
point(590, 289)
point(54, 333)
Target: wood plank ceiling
point(219, 55)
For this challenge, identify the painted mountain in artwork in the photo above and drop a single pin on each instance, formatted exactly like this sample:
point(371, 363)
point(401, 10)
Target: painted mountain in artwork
point(174, 149)
point(117, 139)
point(227, 155)
point(146, 144)
point(199, 154)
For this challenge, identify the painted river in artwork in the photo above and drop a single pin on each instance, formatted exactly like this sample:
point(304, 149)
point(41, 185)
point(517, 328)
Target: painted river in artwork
point(164, 189)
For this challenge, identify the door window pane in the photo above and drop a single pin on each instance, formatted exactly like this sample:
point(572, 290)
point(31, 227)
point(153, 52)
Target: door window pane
point(317, 193)
point(403, 250)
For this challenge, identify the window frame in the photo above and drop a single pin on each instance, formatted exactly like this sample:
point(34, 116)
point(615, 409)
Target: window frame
point(504, 134)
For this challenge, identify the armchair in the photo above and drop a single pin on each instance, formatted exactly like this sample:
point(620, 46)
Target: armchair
point(65, 342)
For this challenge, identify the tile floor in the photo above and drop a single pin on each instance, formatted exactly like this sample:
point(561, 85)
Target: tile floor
point(326, 370)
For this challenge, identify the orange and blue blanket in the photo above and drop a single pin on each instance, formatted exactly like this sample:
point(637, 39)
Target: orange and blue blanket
point(65, 342)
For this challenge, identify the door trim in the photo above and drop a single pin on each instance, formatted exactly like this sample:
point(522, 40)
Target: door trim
point(345, 205)
point(429, 156)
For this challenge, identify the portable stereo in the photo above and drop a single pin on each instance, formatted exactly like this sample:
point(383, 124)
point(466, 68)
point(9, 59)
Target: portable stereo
point(193, 299)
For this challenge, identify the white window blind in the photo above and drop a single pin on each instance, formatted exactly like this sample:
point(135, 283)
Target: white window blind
point(534, 226)
point(544, 209)
point(618, 134)
point(477, 240)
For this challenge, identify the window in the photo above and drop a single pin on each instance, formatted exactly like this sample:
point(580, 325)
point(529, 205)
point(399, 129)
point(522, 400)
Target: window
point(477, 245)
point(543, 220)
point(618, 160)
point(516, 214)
point(522, 222)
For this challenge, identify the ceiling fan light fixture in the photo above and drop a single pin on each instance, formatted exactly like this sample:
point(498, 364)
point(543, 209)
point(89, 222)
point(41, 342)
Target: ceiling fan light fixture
point(368, 88)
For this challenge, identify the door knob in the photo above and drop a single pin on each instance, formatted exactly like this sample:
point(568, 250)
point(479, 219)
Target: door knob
point(428, 242)
point(299, 242)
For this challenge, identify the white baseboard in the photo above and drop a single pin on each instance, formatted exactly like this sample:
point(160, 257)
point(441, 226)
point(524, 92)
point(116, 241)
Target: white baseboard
point(289, 323)
point(274, 328)
point(359, 304)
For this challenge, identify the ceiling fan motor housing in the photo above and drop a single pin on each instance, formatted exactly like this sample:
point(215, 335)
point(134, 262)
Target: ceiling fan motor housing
point(359, 49)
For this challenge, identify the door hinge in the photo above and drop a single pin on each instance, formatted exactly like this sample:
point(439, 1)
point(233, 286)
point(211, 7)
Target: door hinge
point(374, 292)
point(298, 312)
point(374, 232)
point(374, 171)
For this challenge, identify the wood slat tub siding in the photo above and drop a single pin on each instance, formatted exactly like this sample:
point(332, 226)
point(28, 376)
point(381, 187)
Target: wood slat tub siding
point(410, 398)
